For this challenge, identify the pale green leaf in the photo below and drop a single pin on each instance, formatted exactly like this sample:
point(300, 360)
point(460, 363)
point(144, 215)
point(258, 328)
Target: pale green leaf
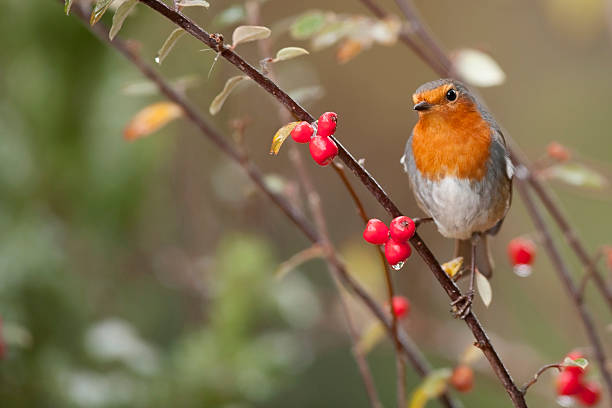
point(67, 6)
point(478, 68)
point(307, 25)
point(120, 15)
point(244, 34)
point(169, 44)
point(432, 386)
point(331, 33)
point(372, 335)
point(99, 10)
point(315, 251)
point(280, 136)
point(578, 175)
point(219, 100)
point(230, 16)
point(484, 288)
point(193, 3)
point(287, 53)
point(579, 362)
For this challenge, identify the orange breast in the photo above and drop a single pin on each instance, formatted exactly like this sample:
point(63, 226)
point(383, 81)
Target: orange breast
point(452, 143)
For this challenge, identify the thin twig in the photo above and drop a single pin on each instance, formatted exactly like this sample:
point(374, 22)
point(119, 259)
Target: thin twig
point(589, 272)
point(411, 351)
point(572, 291)
point(537, 375)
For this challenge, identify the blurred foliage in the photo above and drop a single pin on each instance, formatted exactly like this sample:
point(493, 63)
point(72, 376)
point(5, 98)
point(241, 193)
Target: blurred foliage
point(143, 274)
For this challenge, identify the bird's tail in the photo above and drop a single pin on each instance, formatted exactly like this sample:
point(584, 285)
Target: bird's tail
point(484, 262)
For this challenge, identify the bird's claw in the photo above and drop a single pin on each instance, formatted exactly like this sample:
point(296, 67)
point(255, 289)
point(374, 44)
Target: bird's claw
point(461, 306)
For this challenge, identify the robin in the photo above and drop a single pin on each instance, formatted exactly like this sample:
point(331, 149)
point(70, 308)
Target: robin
point(460, 172)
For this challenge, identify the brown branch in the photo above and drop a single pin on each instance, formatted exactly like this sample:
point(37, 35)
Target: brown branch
point(411, 351)
point(537, 375)
point(565, 277)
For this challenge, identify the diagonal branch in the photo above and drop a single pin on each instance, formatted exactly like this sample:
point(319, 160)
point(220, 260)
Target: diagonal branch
point(411, 351)
point(453, 292)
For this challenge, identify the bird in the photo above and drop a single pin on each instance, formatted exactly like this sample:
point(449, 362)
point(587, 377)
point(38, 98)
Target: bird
point(460, 172)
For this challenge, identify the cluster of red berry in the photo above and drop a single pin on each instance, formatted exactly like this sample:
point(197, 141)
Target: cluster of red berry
point(395, 238)
point(322, 148)
point(570, 382)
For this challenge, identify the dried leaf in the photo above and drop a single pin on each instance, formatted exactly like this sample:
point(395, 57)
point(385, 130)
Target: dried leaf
point(371, 337)
point(432, 386)
point(478, 68)
point(217, 103)
point(193, 3)
point(287, 53)
point(244, 34)
point(67, 6)
point(484, 288)
point(169, 44)
point(120, 15)
point(230, 16)
point(150, 119)
point(578, 175)
point(307, 25)
point(99, 10)
point(280, 136)
point(453, 266)
point(348, 50)
point(315, 251)
point(470, 355)
point(579, 362)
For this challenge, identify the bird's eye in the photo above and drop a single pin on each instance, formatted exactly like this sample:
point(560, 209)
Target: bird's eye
point(451, 95)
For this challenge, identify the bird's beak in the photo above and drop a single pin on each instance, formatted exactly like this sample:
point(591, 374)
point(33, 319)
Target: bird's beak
point(422, 106)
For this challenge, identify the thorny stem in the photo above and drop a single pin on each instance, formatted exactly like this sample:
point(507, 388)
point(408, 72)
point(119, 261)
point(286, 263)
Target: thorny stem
point(368, 181)
point(537, 375)
point(413, 354)
point(565, 277)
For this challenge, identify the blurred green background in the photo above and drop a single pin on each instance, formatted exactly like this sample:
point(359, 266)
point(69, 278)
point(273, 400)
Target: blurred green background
point(142, 274)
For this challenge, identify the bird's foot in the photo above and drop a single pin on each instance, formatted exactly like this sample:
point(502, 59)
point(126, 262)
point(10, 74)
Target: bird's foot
point(461, 307)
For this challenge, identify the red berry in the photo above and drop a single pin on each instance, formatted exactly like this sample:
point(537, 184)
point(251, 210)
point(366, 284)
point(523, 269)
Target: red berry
point(558, 152)
point(401, 306)
point(609, 256)
point(376, 232)
point(326, 126)
point(462, 378)
point(402, 228)
point(521, 251)
point(568, 383)
point(574, 355)
point(590, 394)
point(396, 252)
point(302, 132)
point(323, 149)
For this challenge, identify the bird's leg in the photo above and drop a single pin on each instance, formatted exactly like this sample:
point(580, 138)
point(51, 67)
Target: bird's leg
point(463, 304)
point(419, 221)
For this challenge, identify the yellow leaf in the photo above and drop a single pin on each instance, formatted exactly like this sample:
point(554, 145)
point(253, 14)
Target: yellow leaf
point(280, 136)
point(432, 386)
point(371, 337)
point(348, 50)
point(296, 260)
point(453, 266)
point(150, 119)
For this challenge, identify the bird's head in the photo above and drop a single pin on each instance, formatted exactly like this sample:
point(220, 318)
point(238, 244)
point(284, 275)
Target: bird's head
point(442, 96)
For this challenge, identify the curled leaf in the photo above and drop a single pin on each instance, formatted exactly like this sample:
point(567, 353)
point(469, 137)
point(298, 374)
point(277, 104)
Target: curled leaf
point(217, 103)
point(67, 6)
point(372, 335)
point(484, 288)
point(169, 44)
point(150, 119)
point(453, 266)
point(193, 3)
point(307, 25)
point(120, 15)
point(478, 68)
point(287, 53)
point(244, 34)
point(578, 175)
point(315, 251)
point(432, 386)
point(280, 136)
point(579, 362)
point(99, 10)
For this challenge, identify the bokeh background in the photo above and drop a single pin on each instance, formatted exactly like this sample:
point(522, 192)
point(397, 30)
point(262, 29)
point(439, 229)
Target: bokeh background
point(143, 274)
